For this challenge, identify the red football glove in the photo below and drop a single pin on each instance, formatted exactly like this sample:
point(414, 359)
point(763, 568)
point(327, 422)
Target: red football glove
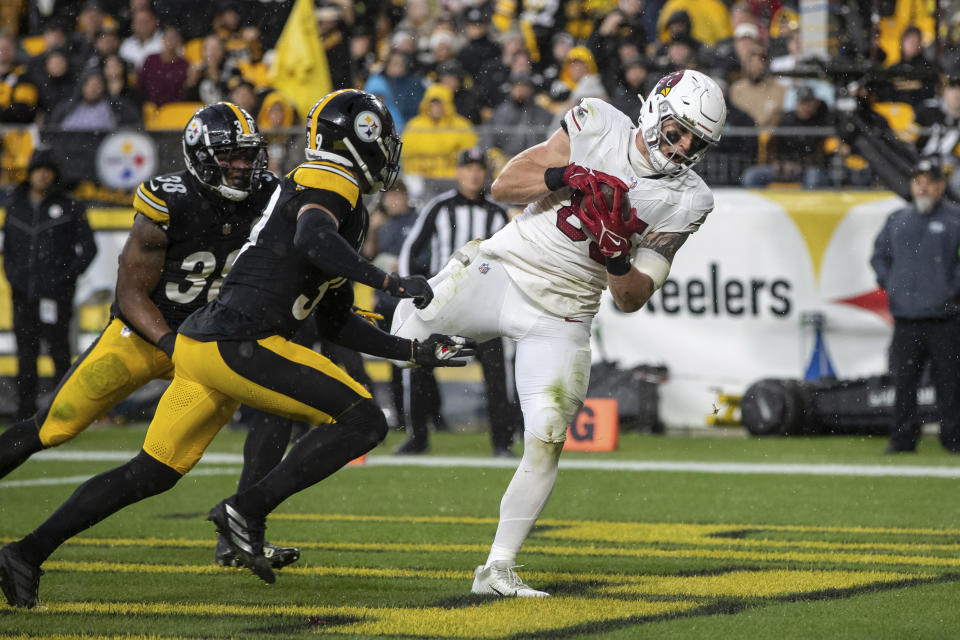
point(610, 231)
point(588, 181)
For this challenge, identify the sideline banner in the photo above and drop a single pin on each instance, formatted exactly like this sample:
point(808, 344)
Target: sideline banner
point(730, 312)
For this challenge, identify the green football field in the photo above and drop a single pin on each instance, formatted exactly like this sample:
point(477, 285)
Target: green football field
point(669, 537)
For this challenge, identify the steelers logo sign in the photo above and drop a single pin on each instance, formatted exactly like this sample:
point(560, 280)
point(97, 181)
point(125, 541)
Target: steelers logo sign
point(192, 134)
point(367, 126)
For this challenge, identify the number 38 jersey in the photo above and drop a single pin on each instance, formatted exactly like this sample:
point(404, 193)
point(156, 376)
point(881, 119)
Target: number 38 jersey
point(204, 236)
point(544, 249)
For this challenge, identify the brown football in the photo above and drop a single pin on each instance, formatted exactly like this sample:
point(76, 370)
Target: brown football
point(608, 192)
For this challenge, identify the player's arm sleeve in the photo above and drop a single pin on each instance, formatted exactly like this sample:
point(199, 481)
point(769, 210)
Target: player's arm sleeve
point(586, 117)
point(141, 268)
point(318, 240)
point(882, 255)
point(337, 322)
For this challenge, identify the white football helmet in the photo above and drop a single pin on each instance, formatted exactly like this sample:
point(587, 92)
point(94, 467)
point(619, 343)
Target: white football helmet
point(695, 102)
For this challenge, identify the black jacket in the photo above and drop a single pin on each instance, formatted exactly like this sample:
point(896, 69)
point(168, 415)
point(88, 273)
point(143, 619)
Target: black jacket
point(916, 262)
point(45, 249)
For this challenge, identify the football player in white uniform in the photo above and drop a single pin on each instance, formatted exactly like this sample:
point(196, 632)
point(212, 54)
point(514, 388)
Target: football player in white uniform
point(538, 281)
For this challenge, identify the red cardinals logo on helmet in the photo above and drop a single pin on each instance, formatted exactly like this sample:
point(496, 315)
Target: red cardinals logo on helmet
point(668, 82)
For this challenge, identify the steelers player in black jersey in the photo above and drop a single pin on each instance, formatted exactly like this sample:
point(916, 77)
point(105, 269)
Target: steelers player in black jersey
point(300, 258)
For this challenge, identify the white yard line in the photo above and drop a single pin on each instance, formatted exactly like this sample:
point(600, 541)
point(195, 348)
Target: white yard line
point(207, 467)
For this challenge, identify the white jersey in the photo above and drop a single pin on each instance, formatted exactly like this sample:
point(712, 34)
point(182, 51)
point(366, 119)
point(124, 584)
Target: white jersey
point(544, 249)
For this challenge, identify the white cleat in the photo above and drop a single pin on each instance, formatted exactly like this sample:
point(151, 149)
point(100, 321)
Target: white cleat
point(500, 579)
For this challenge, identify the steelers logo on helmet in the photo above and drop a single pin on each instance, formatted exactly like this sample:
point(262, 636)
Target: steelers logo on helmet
point(194, 129)
point(367, 126)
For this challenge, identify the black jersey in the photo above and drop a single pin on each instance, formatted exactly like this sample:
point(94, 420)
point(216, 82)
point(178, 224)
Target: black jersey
point(204, 236)
point(272, 287)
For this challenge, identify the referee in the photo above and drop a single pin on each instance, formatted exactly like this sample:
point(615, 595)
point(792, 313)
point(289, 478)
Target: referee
point(445, 224)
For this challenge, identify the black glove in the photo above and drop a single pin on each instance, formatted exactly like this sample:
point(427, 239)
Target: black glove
point(415, 287)
point(438, 351)
point(166, 343)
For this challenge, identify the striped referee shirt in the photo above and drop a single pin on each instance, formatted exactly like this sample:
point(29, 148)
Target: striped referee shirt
point(445, 224)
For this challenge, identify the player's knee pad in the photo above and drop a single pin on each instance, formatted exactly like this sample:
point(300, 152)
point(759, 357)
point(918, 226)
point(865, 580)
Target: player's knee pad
point(149, 475)
point(366, 419)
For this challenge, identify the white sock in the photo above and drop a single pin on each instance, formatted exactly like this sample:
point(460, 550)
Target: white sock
point(525, 497)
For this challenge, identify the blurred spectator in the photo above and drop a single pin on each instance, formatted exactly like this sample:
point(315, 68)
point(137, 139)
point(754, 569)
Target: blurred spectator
point(91, 109)
point(517, 123)
point(57, 82)
point(796, 157)
point(271, 17)
point(244, 96)
point(479, 48)
point(336, 44)
point(106, 43)
point(442, 50)
point(117, 73)
point(560, 46)
point(725, 59)
point(734, 153)
point(950, 54)
point(377, 85)
point(535, 17)
point(207, 80)
point(362, 57)
point(433, 138)
point(624, 23)
point(47, 245)
point(226, 25)
point(758, 93)
point(679, 29)
point(941, 116)
point(679, 53)
point(469, 102)
point(18, 99)
point(145, 40)
point(710, 21)
point(493, 77)
point(579, 75)
point(275, 117)
point(55, 36)
point(419, 21)
point(915, 77)
point(91, 21)
point(249, 60)
point(632, 87)
point(406, 87)
point(164, 74)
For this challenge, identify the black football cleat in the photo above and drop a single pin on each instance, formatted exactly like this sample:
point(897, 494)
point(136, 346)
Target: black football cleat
point(19, 579)
point(279, 557)
point(244, 537)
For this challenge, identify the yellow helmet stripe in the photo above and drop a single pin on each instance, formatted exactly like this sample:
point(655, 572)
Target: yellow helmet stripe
point(245, 127)
point(315, 116)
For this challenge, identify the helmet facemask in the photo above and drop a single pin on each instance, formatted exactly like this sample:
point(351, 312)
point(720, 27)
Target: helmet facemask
point(670, 133)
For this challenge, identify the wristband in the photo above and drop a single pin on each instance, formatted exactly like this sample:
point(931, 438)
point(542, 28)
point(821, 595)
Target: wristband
point(553, 178)
point(166, 343)
point(619, 266)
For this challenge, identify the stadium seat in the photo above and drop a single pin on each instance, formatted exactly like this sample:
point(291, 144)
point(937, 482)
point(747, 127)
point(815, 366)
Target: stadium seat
point(173, 115)
point(17, 149)
point(900, 117)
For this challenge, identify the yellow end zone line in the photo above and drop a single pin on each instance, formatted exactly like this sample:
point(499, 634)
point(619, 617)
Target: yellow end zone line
point(184, 543)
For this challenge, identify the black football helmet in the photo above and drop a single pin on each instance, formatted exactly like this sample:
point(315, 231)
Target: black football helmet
point(355, 126)
point(224, 150)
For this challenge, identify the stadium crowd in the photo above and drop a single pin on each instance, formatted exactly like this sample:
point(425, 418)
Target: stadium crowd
point(457, 73)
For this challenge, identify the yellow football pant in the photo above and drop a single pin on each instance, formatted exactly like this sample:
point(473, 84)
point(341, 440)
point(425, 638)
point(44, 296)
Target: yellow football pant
point(212, 378)
point(116, 365)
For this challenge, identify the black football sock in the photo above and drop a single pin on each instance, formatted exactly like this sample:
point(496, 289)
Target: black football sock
point(94, 500)
point(319, 453)
point(18, 443)
point(264, 447)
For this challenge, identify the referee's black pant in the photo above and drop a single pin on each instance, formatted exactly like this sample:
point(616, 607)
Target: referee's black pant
point(915, 343)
